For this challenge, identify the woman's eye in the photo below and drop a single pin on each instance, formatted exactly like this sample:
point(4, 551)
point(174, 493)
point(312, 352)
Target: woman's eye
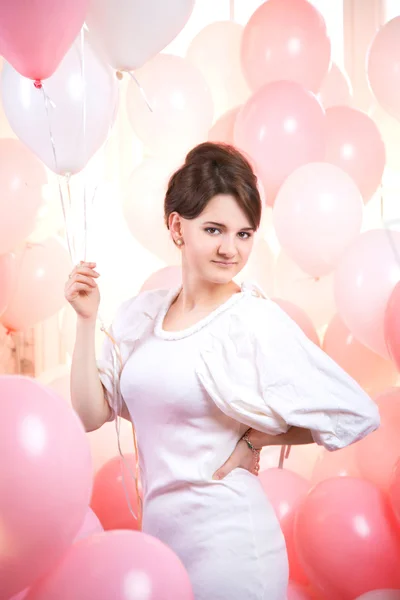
point(212, 230)
point(244, 235)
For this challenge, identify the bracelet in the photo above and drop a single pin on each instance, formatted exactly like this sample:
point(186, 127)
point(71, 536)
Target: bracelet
point(255, 451)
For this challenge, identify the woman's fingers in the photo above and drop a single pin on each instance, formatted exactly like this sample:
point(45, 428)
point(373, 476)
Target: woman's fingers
point(84, 279)
point(80, 287)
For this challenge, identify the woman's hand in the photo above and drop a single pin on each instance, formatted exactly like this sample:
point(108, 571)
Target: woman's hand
point(242, 457)
point(82, 292)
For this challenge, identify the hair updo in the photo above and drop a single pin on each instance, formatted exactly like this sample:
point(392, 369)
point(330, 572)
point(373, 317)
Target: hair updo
point(210, 169)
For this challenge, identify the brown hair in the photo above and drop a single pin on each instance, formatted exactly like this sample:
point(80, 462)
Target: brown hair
point(210, 169)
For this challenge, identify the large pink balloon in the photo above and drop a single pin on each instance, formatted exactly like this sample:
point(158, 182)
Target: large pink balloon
point(392, 325)
point(354, 143)
point(281, 127)
point(286, 40)
point(90, 526)
point(345, 539)
point(215, 51)
point(317, 214)
point(41, 273)
point(336, 88)
point(297, 592)
point(7, 279)
point(223, 128)
point(21, 179)
point(36, 35)
point(300, 317)
point(369, 369)
point(65, 134)
point(341, 463)
point(313, 295)
point(394, 491)
point(378, 453)
point(286, 490)
point(181, 103)
point(364, 280)
point(381, 595)
point(383, 67)
point(45, 480)
point(127, 565)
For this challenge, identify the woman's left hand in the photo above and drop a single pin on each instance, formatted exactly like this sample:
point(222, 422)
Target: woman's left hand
point(242, 457)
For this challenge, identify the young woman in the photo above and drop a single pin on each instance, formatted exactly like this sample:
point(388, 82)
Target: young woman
point(211, 373)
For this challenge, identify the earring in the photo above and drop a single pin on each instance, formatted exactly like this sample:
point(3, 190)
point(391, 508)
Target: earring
point(179, 242)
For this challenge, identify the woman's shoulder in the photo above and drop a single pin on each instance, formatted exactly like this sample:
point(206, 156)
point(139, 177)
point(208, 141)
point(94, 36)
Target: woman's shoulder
point(146, 304)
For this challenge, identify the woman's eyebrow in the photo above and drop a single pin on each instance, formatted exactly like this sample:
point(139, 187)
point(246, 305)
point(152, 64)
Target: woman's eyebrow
point(224, 226)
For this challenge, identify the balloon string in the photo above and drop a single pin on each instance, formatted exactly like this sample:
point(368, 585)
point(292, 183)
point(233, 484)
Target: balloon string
point(84, 113)
point(140, 88)
point(231, 10)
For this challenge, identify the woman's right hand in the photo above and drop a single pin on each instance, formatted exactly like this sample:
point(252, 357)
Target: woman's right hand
point(82, 292)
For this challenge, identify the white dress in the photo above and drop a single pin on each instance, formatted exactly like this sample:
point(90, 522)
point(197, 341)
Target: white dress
point(192, 394)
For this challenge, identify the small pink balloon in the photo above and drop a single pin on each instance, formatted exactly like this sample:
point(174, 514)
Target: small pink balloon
point(370, 370)
point(215, 51)
point(300, 317)
point(41, 273)
point(394, 491)
point(383, 69)
point(297, 592)
point(36, 36)
point(286, 41)
point(22, 177)
point(127, 564)
point(281, 127)
point(223, 128)
point(109, 503)
point(181, 103)
point(341, 463)
point(317, 214)
point(378, 453)
point(392, 325)
point(354, 143)
point(313, 295)
point(91, 525)
point(345, 539)
point(7, 279)
point(45, 480)
point(286, 490)
point(164, 279)
point(364, 280)
point(336, 88)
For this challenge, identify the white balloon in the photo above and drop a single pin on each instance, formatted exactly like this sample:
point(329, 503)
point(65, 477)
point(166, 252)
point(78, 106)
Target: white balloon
point(66, 121)
point(129, 32)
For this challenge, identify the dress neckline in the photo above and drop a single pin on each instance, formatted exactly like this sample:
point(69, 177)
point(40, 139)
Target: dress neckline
point(182, 333)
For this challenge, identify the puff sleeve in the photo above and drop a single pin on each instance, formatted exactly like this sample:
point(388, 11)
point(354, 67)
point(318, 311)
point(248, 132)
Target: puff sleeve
point(264, 372)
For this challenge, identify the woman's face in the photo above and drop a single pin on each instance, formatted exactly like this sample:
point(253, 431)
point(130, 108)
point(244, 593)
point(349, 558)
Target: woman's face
point(218, 243)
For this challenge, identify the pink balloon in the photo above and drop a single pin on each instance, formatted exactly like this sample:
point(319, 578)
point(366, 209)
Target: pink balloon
point(36, 35)
point(381, 595)
point(378, 453)
point(392, 325)
point(286, 490)
point(127, 564)
point(91, 525)
point(109, 501)
point(223, 128)
point(21, 179)
point(7, 279)
point(182, 107)
point(383, 69)
point(297, 592)
point(313, 295)
point(42, 270)
point(341, 463)
point(354, 143)
point(164, 279)
point(364, 280)
point(336, 88)
point(394, 491)
point(300, 317)
point(286, 41)
point(317, 214)
point(45, 480)
point(369, 369)
point(281, 127)
point(345, 540)
point(215, 51)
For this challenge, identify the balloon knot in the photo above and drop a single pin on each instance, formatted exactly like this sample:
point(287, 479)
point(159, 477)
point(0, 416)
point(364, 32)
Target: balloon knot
point(38, 84)
point(119, 75)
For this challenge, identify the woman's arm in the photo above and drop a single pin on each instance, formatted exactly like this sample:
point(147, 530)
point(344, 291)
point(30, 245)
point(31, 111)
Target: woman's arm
point(296, 436)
